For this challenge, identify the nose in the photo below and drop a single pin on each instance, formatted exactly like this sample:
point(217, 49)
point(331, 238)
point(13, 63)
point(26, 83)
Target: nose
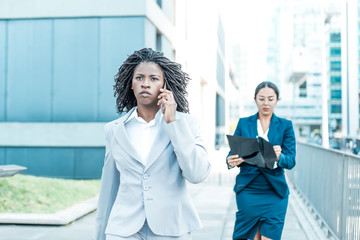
point(146, 83)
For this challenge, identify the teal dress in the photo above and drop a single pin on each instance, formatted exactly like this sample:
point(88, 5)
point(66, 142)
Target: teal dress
point(262, 194)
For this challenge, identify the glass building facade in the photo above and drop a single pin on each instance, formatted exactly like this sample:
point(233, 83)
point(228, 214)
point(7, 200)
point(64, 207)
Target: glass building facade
point(58, 66)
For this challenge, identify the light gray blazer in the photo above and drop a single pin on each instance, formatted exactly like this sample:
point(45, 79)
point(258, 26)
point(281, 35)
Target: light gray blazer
point(131, 192)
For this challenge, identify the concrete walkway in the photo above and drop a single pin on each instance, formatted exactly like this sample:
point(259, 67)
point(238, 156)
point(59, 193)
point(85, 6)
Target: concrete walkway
point(214, 200)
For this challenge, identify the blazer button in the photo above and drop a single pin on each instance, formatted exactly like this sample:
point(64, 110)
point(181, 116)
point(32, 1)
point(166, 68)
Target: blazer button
point(146, 188)
point(145, 176)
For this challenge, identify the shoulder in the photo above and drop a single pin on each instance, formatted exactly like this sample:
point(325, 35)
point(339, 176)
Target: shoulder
point(251, 118)
point(245, 119)
point(284, 121)
point(110, 125)
point(186, 116)
point(191, 120)
point(286, 125)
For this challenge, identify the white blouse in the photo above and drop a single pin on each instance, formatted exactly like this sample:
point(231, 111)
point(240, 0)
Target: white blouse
point(142, 134)
point(264, 135)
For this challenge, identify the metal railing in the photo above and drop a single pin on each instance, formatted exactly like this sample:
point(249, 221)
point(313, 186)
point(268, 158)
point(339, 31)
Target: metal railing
point(330, 181)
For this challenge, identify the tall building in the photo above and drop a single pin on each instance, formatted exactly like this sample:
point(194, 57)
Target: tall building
point(294, 64)
point(204, 54)
point(333, 56)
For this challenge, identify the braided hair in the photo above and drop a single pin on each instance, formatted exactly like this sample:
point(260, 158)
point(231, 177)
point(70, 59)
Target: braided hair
point(175, 79)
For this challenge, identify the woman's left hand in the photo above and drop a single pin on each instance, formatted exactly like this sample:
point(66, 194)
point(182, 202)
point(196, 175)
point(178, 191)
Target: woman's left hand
point(277, 150)
point(167, 104)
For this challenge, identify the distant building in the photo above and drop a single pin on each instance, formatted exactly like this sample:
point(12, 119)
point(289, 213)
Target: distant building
point(350, 46)
point(333, 53)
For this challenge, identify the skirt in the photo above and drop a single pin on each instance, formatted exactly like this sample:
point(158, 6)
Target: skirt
point(259, 206)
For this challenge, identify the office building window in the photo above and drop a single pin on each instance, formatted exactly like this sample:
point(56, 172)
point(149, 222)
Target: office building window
point(158, 42)
point(159, 2)
point(335, 52)
point(335, 37)
point(335, 108)
point(335, 66)
point(335, 94)
point(302, 90)
point(335, 79)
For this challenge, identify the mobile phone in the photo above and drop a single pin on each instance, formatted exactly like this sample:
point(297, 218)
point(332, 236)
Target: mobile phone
point(162, 105)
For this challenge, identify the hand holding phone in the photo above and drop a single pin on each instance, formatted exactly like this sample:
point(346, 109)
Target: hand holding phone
point(162, 106)
point(167, 104)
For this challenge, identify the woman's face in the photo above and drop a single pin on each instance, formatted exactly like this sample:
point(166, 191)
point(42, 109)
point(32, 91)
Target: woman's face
point(147, 80)
point(266, 101)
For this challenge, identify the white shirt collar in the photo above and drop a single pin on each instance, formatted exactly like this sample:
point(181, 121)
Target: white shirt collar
point(134, 114)
point(261, 133)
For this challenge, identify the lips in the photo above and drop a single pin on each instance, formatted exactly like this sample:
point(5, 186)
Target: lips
point(266, 109)
point(145, 94)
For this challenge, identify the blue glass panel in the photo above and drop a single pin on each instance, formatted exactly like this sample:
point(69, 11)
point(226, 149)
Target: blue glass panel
point(119, 37)
point(335, 52)
point(3, 52)
point(335, 108)
point(49, 162)
point(2, 156)
point(89, 162)
point(335, 94)
point(335, 37)
point(29, 70)
point(335, 66)
point(60, 162)
point(336, 79)
point(75, 69)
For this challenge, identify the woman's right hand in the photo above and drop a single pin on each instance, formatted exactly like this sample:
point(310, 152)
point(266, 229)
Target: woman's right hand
point(234, 160)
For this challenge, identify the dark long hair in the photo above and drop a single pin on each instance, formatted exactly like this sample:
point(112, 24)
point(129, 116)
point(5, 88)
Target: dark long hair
point(269, 85)
point(175, 79)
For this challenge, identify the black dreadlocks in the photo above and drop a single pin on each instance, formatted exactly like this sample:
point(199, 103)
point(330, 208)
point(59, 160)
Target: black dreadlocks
point(176, 80)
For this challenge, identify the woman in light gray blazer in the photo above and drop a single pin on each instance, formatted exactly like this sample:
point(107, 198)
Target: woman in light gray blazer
point(150, 153)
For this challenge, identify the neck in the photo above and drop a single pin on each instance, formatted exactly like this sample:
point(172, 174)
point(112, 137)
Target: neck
point(147, 113)
point(265, 118)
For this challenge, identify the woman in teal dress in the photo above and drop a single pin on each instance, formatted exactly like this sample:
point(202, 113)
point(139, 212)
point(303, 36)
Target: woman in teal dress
point(262, 193)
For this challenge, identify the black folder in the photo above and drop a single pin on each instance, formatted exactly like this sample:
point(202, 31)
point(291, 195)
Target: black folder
point(254, 151)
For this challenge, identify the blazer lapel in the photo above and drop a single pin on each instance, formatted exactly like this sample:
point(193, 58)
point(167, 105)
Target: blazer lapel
point(161, 141)
point(122, 138)
point(273, 128)
point(253, 126)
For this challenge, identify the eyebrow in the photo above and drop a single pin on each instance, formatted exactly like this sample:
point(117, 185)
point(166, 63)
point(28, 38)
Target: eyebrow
point(152, 75)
